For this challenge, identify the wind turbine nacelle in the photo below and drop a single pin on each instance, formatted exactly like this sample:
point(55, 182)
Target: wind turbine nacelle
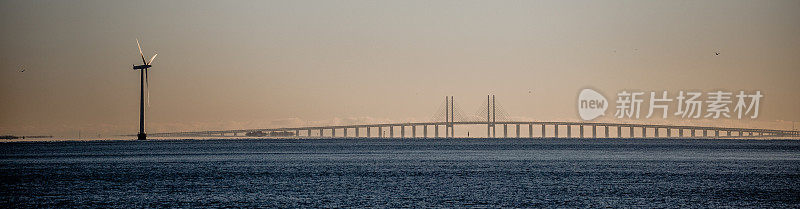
point(139, 67)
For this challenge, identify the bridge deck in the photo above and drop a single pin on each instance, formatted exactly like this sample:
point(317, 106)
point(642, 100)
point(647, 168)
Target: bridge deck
point(761, 132)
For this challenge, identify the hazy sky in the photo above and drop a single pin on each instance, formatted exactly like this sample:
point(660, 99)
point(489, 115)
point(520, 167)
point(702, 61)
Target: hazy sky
point(259, 64)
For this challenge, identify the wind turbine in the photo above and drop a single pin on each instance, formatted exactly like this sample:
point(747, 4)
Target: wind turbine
point(144, 81)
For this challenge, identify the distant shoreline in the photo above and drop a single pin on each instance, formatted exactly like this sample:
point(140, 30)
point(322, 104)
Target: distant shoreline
point(10, 137)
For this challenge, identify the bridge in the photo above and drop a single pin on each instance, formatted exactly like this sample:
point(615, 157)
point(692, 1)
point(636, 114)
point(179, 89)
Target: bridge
point(535, 129)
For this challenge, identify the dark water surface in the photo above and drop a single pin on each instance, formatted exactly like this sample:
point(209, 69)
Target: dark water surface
point(400, 173)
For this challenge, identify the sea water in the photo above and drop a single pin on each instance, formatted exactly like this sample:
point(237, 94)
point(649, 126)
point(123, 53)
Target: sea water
point(402, 173)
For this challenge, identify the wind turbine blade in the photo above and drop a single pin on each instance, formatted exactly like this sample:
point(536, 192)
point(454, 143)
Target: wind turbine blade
point(140, 50)
point(151, 59)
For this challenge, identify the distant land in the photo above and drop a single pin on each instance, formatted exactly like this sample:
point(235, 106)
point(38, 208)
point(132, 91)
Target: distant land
point(23, 137)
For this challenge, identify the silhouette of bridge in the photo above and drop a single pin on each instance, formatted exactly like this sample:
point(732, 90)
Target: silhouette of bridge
point(453, 118)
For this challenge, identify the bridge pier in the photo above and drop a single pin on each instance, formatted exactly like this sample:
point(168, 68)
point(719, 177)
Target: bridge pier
point(402, 132)
point(606, 131)
point(543, 132)
point(391, 131)
point(569, 131)
point(630, 128)
point(581, 130)
point(619, 131)
point(594, 131)
point(517, 130)
point(530, 130)
point(705, 133)
point(505, 130)
point(669, 133)
point(644, 132)
point(345, 132)
point(656, 132)
point(556, 130)
point(296, 133)
point(435, 131)
point(424, 131)
point(380, 131)
point(369, 133)
point(716, 133)
point(413, 131)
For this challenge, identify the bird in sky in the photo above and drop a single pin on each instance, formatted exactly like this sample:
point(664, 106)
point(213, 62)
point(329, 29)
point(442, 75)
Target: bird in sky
point(22, 68)
point(716, 53)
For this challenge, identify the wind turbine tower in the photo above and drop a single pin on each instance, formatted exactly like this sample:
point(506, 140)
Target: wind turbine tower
point(144, 81)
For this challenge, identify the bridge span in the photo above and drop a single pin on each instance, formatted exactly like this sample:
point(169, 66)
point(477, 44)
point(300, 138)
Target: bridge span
point(535, 129)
